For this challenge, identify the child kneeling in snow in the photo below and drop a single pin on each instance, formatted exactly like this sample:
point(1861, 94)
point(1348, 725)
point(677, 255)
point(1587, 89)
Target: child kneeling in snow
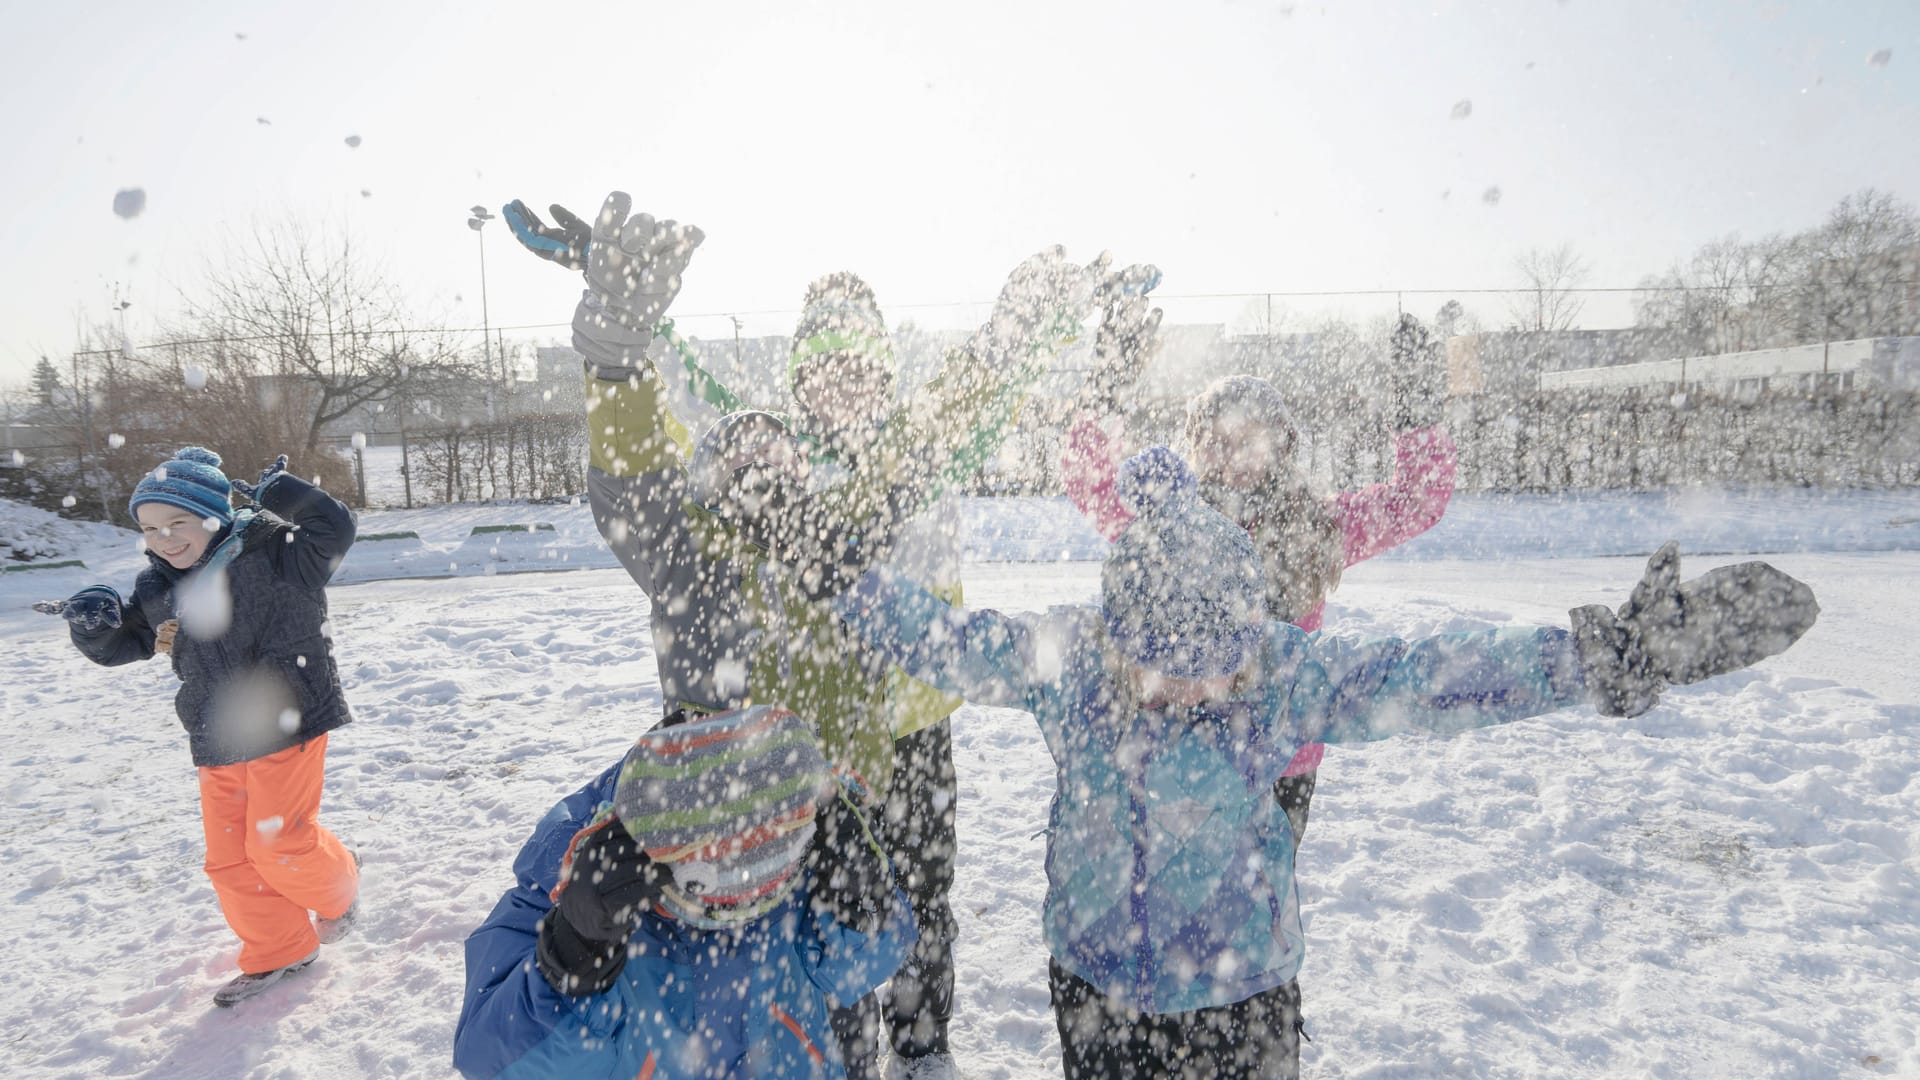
point(239, 600)
point(1170, 709)
point(697, 910)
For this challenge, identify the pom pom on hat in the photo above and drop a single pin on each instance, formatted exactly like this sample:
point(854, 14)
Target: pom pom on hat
point(1154, 480)
point(199, 455)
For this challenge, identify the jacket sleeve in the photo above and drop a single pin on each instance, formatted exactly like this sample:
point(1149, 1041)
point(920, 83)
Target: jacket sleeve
point(1352, 690)
point(846, 964)
point(1088, 465)
point(983, 656)
point(132, 640)
point(703, 384)
point(509, 1010)
point(323, 530)
point(1383, 516)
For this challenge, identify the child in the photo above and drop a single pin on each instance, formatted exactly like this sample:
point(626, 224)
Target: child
point(1244, 444)
point(1171, 911)
point(258, 691)
point(698, 910)
point(732, 638)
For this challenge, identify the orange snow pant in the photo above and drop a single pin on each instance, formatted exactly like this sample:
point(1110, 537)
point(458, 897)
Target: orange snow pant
point(269, 859)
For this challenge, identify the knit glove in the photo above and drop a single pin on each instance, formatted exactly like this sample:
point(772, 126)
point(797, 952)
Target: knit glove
point(606, 884)
point(91, 610)
point(634, 264)
point(1671, 632)
point(566, 242)
point(852, 878)
point(1128, 337)
point(1042, 305)
point(164, 634)
point(254, 490)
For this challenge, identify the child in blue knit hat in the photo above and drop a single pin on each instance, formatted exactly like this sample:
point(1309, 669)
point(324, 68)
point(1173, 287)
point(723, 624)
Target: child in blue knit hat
point(1171, 707)
point(238, 600)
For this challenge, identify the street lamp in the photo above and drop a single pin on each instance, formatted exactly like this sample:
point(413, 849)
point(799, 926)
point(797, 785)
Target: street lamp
point(478, 222)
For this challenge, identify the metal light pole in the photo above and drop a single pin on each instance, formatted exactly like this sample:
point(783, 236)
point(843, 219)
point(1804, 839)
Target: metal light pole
point(478, 223)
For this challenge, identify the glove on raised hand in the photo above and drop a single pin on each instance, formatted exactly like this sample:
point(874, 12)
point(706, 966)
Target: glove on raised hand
point(1043, 303)
point(1128, 337)
point(606, 884)
point(1671, 632)
point(565, 242)
point(634, 263)
point(92, 609)
point(253, 490)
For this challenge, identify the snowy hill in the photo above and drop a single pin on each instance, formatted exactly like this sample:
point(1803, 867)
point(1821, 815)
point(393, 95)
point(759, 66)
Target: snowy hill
point(1726, 886)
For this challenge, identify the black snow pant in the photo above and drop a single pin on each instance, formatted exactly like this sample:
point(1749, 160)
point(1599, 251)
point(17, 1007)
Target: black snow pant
point(916, 827)
point(1295, 796)
point(1102, 1039)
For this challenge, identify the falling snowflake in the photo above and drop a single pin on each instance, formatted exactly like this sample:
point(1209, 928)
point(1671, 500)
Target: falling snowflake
point(69, 502)
point(128, 202)
point(262, 121)
point(115, 440)
point(353, 141)
point(195, 377)
point(1880, 58)
point(1491, 196)
point(1462, 109)
point(366, 193)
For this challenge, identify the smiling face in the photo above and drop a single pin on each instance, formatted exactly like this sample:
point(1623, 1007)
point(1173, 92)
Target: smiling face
point(843, 393)
point(176, 535)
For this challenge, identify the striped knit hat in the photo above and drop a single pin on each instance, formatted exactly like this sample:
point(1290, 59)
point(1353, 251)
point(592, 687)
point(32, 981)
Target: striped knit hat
point(190, 480)
point(727, 803)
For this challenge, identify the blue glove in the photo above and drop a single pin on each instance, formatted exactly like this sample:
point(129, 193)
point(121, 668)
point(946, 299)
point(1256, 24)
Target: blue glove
point(92, 609)
point(253, 490)
point(565, 243)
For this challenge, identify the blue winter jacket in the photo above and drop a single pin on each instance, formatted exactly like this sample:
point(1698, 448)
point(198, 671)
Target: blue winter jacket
point(1169, 863)
point(688, 1003)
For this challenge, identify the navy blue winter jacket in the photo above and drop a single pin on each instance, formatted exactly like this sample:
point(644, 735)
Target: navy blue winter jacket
point(266, 680)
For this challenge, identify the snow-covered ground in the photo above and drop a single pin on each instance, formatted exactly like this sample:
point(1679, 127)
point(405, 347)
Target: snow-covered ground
point(1726, 886)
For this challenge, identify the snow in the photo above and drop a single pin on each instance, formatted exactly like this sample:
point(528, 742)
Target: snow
point(129, 202)
point(1727, 885)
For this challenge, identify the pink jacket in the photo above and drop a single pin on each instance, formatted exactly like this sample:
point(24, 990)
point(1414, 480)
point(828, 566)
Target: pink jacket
point(1373, 519)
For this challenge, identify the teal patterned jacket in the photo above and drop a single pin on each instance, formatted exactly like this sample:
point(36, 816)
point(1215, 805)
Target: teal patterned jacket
point(1169, 863)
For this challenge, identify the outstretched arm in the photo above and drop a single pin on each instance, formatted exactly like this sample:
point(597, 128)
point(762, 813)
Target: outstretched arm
point(1088, 466)
point(981, 655)
point(1382, 516)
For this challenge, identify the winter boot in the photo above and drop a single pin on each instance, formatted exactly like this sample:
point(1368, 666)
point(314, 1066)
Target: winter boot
point(246, 986)
point(332, 930)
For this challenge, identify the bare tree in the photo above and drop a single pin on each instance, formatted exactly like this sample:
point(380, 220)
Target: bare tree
point(317, 330)
point(1551, 278)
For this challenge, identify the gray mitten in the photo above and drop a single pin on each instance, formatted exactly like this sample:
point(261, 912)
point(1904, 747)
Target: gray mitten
point(1671, 632)
point(1128, 337)
point(634, 263)
point(1043, 304)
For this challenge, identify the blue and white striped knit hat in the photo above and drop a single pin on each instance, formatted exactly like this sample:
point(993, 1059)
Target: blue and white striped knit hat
point(1181, 590)
point(190, 480)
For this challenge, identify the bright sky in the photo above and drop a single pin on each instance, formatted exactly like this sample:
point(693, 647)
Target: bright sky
point(1241, 146)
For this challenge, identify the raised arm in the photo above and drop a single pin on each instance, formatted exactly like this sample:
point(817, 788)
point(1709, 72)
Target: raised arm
point(1088, 465)
point(510, 1010)
point(1381, 516)
point(323, 529)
